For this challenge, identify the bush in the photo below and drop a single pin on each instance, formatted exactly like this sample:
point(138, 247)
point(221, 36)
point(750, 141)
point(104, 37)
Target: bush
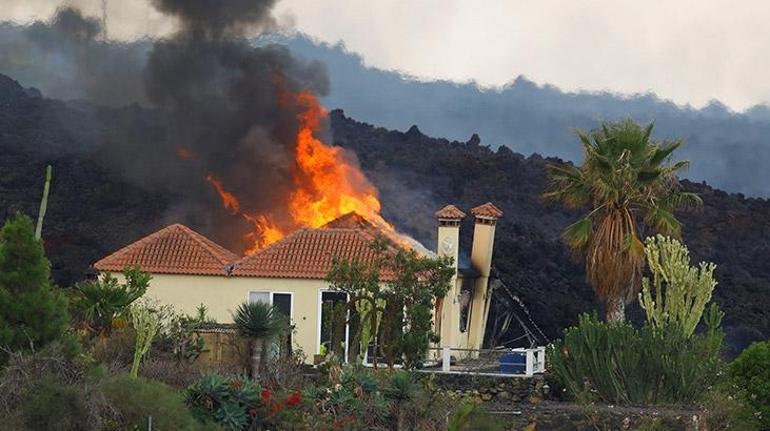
point(727, 407)
point(134, 400)
point(619, 364)
point(239, 404)
point(56, 407)
point(750, 371)
point(24, 371)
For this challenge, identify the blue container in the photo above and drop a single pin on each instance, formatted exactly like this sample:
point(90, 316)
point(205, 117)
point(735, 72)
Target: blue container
point(513, 363)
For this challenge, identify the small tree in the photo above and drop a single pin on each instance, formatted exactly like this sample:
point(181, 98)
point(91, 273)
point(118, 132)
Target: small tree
point(396, 310)
point(687, 288)
point(32, 311)
point(99, 302)
point(258, 321)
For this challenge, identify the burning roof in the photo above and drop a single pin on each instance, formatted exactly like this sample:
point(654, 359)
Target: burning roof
point(306, 253)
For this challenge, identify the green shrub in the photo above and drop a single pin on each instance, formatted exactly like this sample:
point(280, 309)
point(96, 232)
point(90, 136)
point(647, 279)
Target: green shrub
point(99, 303)
point(56, 407)
point(750, 371)
point(136, 399)
point(727, 407)
point(619, 364)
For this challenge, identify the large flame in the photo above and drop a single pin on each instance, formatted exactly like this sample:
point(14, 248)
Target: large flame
point(327, 184)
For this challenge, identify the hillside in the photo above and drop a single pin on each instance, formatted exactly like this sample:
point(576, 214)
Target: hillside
point(94, 209)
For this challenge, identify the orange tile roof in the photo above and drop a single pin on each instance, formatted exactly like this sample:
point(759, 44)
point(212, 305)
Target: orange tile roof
point(175, 249)
point(308, 254)
point(488, 210)
point(450, 212)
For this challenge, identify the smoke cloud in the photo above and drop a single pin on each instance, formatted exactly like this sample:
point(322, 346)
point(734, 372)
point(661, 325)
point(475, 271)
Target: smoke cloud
point(214, 104)
point(67, 57)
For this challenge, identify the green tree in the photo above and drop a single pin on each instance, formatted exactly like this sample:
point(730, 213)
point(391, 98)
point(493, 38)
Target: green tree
point(394, 297)
point(687, 288)
point(98, 302)
point(32, 311)
point(627, 181)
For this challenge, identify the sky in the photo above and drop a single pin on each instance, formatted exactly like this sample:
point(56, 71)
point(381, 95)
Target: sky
point(687, 51)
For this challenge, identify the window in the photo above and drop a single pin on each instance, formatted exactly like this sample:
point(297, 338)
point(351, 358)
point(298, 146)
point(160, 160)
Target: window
point(259, 297)
point(282, 302)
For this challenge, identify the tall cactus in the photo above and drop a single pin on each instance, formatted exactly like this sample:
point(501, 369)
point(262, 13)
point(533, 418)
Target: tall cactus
point(146, 326)
point(687, 288)
point(43, 202)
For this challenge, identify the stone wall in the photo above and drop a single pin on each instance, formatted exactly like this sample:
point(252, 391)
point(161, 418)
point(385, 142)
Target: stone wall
point(522, 404)
point(492, 388)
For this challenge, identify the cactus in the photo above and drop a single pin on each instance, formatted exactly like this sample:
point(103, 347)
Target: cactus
point(687, 288)
point(146, 326)
point(619, 364)
point(43, 202)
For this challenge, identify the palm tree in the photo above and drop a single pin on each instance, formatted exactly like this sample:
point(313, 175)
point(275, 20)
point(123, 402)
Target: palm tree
point(626, 178)
point(258, 321)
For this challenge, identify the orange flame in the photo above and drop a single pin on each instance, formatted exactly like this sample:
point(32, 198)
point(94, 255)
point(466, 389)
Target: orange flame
point(228, 200)
point(327, 184)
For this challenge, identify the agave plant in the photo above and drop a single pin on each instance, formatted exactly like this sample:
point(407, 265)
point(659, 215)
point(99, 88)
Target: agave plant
point(258, 321)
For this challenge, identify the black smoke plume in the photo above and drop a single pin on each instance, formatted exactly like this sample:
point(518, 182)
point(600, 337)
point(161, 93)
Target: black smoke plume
point(213, 100)
point(218, 97)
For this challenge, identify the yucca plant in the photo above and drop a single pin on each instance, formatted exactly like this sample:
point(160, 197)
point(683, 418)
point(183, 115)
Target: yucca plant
point(258, 321)
point(626, 181)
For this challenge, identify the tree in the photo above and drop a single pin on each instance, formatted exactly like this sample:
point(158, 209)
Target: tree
point(628, 182)
point(99, 302)
point(395, 310)
point(258, 321)
point(32, 312)
point(687, 288)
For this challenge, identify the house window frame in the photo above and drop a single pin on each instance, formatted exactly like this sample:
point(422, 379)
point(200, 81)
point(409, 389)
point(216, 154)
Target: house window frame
point(272, 302)
point(320, 322)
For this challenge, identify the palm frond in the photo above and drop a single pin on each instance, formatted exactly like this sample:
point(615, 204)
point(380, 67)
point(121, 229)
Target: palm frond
point(662, 153)
point(663, 221)
point(578, 234)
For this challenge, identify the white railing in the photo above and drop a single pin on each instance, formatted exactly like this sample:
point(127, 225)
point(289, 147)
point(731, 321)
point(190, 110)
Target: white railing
point(504, 362)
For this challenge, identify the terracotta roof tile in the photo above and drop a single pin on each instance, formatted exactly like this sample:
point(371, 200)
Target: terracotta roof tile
point(308, 253)
point(488, 210)
point(450, 212)
point(175, 249)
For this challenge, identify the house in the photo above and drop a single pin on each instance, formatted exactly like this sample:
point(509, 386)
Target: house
point(189, 269)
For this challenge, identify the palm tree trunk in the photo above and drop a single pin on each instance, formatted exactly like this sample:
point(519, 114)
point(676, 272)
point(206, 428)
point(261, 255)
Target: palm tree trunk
point(257, 345)
point(616, 310)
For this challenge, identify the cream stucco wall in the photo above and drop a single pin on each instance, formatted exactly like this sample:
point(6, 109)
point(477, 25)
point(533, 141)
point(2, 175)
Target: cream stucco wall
point(222, 295)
